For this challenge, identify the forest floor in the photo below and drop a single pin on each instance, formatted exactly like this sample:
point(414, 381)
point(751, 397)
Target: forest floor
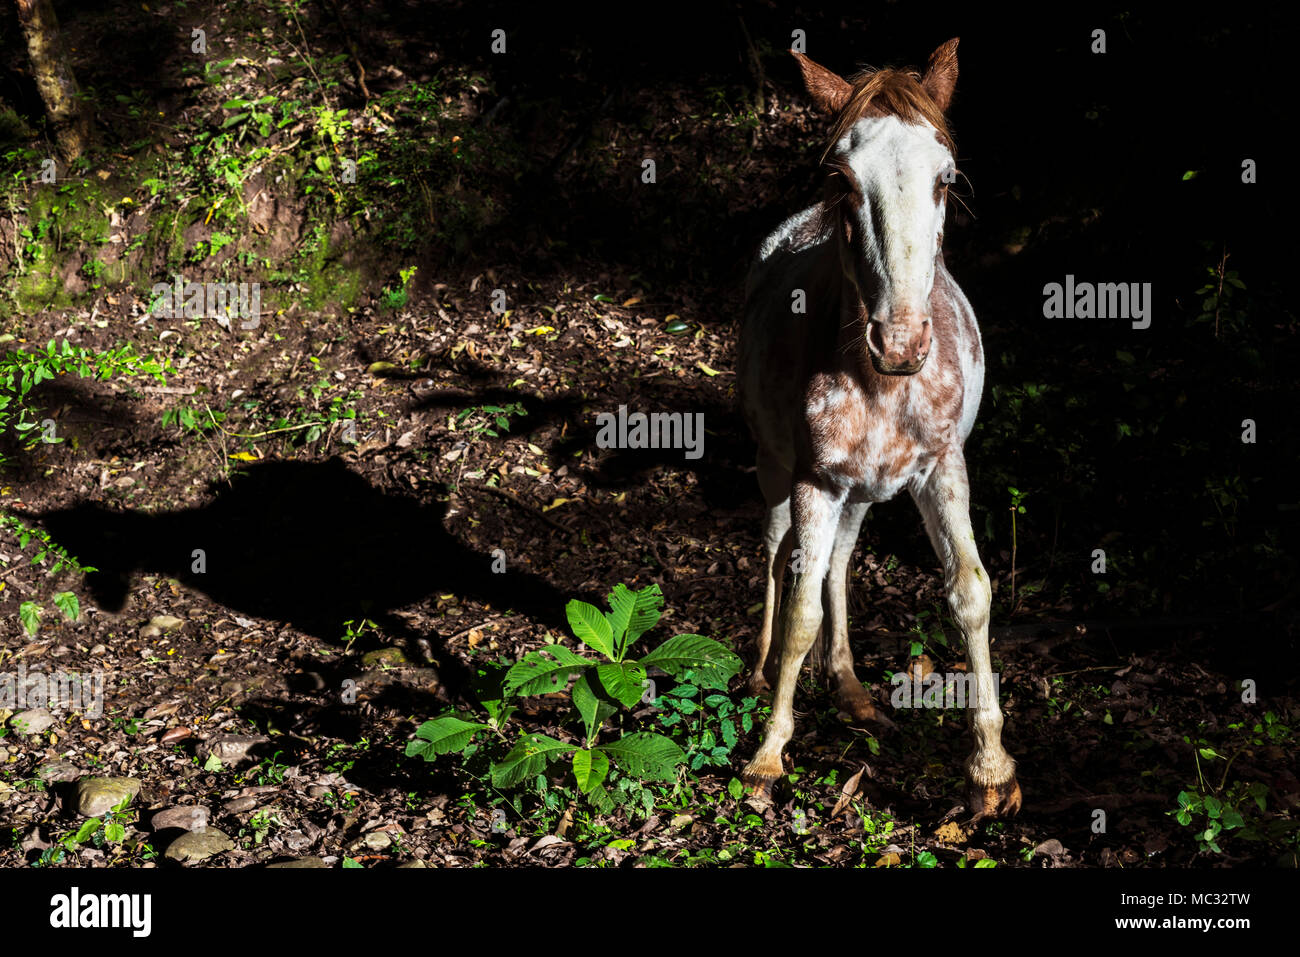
point(314, 535)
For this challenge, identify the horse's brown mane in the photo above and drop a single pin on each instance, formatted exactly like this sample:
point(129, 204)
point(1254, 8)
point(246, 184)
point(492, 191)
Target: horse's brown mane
point(889, 92)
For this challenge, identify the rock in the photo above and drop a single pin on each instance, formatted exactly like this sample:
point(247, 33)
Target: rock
point(239, 805)
point(98, 650)
point(1050, 848)
point(297, 841)
point(229, 748)
point(31, 721)
point(413, 864)
point(55, 771)
point(377, 840)
point(198, 845)
point(317, 791)
point(166, 622)
point(189, 817)
point(4, 755)
point(681, 820)
point(384, 656)
point(98, 796)
point(312, 862)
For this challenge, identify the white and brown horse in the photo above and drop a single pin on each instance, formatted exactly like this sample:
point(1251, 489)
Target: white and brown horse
point(860, 376)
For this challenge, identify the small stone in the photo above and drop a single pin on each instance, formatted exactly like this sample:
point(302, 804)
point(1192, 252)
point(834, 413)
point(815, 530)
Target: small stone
point(681, 820)
point(31, 721)
point(413, 864)
point(377, 840)
point(166, 622)
point(229, 748)
point(198, 845)
point(239, 805)
point(312, 862)
point(1050, 848)
point(98, 650)
point(317, 791)
point(384, 656)
point(55, 771)
point(98, 796)
point(187, 818)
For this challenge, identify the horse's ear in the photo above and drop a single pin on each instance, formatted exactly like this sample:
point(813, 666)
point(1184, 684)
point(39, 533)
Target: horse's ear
point(941, 74)
point(828, 90)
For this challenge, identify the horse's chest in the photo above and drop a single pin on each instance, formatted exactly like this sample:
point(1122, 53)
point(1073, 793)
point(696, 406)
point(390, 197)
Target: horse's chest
point(868, 445)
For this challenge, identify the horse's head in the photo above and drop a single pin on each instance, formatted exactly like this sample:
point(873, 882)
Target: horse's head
point(888, 166)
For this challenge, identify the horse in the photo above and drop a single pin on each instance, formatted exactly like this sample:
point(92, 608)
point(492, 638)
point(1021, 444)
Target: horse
point(860, 373)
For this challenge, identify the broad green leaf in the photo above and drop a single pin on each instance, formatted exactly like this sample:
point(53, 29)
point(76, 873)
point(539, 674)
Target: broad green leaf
point(712, 662)
point(600, 799)
point(645, 614)
point(646, 755)
point(30, 614)
point(440, 736)
point(87, 830)
point(622, 602)
point(67, 603)
point(114, 832)
point(527, 759)
point(590, 768)
point(1232, 818)
point(624, 681)
point(543, 671)
point(590, 625)
point(593, 708)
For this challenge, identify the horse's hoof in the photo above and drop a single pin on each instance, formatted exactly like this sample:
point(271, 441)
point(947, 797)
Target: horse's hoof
point(759, 776)
point(863, 710)
point(993, 801)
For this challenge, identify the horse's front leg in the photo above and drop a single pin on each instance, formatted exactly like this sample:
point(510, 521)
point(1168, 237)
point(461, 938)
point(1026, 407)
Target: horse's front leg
point(944, 502)
point(815, 512)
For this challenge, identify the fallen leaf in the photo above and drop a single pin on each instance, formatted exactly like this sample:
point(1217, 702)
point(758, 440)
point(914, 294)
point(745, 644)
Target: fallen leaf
point(951, 833)
point(847, 792)
point(888, 860)
point(705, 369)
point(631, 302)
point(556, 504)
point(539, 330)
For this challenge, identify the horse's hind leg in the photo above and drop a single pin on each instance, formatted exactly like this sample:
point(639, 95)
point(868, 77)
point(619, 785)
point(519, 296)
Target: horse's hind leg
point(774, 481)
point(850, 694)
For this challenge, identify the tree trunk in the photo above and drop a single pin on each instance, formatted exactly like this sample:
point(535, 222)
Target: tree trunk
point(54, 78)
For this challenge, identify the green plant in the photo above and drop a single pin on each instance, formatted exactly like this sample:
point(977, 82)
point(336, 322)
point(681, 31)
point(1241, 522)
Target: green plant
point(21, 372)
point(29, 612)
point(110, 829)
point(1017, 497)
point(480, 419)
point(602, 689)
point(710, 724)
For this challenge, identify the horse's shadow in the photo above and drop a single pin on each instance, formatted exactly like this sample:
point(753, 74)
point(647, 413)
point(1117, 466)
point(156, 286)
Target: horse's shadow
point(309, 544)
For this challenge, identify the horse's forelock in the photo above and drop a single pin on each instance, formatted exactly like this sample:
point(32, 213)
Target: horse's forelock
point(889, 93)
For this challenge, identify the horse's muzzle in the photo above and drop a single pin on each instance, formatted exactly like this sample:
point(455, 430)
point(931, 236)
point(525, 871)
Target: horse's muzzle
point(899, 348)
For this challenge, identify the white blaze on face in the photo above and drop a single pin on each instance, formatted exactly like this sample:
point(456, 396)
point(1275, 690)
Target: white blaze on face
point(896, 165)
